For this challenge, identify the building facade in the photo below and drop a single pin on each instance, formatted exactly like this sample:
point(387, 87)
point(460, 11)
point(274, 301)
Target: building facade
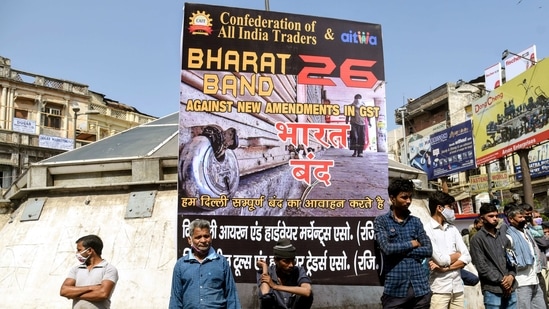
point(443, 107)
point(43, 116)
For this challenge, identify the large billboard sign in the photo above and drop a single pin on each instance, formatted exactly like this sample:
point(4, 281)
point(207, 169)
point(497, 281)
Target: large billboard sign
point(492, 77)
point(273, 108)
point(520, 62)
point(446, 152)
point(538, 162)
point(513, 116)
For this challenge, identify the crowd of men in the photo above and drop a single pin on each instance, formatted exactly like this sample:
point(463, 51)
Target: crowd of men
point(423, 264)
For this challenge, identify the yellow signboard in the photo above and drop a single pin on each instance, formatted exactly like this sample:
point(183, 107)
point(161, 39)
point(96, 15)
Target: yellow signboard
point(498, 181)
point(513, 116)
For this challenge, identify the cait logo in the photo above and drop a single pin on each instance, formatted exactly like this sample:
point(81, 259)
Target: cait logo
point(359, 37)
point(200, 23)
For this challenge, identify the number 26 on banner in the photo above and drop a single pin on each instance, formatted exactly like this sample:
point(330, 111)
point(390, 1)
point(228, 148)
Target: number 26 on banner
point(351, 77)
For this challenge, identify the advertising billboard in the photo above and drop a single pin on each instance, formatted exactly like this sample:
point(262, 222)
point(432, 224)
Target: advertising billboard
point(492, 77)
point(498, 181)
point(24, 125)
point(283, 135)
point(513, 116)
point(519, 62)
point(538, 162)
point(446, 152)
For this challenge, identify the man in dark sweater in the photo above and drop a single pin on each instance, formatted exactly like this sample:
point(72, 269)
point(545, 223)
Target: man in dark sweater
point(491, 253)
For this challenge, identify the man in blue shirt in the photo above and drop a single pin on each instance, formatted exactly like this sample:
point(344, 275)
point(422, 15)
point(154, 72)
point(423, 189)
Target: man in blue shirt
point(202, 279)
point(404, 245)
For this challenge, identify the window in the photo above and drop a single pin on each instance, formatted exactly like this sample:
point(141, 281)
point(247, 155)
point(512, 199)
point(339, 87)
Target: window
point(51, 116)
point(5, 176)
point(52, 111)
point(21, 114)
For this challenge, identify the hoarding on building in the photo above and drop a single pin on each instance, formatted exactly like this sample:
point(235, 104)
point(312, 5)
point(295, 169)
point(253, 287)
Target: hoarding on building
point(492, 77)
point(446, 152)
point(24, 125)
point(257, 141)
point(55, 142)
point(522, 61)
point(480, 183)
point(538, 162)
point(513, 116)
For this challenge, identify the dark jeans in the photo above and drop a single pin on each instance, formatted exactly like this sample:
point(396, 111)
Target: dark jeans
point(269, 301)
point(408, 302)
point(357, 138)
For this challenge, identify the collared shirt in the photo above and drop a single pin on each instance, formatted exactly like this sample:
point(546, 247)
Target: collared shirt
point(84, 277)
point(526, 275)
point(446, 239)
point(489, 257)
point(205, 285)
point(402, 263)
point(284, 300)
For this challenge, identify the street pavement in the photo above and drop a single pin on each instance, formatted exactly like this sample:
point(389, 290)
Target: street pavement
point(352, 178)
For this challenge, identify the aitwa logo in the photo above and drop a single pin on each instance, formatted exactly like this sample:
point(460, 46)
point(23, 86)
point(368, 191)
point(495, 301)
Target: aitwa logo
point(359, 37)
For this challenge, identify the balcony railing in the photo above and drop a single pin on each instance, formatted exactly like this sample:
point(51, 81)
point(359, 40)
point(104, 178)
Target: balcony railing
point(39, 80)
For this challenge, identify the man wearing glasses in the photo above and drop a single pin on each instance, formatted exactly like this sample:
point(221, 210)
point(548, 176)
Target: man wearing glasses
point(284, 285)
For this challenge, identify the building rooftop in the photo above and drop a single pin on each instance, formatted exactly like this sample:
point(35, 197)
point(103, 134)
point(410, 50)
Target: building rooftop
point(158, 138)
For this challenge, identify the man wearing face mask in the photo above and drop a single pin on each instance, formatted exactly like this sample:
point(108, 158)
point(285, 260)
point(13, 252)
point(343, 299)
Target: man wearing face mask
point(91, 283)
point(449, 256)
point(358, 125)
point(533, 225)
point(489, 252)
point(529, 293)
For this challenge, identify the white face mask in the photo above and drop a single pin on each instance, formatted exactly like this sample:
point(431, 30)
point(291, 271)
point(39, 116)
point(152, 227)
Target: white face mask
point(449, 215)
point(81, 258)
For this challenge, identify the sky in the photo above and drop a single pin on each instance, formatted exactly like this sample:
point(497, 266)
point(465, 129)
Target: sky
point(129, 50)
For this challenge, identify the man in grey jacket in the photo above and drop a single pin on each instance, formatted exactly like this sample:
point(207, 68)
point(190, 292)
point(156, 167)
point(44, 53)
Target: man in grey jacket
point(489, 251)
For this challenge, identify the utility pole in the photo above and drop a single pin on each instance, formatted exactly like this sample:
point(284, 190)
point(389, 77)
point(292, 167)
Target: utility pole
point(526, 177)
point(402, 111)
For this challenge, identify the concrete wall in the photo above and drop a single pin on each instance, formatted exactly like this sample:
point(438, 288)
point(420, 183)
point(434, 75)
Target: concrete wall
point(35, 256)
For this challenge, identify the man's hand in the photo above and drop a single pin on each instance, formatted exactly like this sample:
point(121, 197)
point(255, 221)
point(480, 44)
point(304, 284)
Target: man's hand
point(507, 283)
point(437, 268)
point(261, 264)
point(265, 278)
point(454, 257)
point(415, 243)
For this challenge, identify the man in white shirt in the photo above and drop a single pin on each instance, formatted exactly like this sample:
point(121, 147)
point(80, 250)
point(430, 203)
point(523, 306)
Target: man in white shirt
point(450, 254)
point(529, 293)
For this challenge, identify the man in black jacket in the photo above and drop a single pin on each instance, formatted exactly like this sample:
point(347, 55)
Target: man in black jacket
point(491, 253)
